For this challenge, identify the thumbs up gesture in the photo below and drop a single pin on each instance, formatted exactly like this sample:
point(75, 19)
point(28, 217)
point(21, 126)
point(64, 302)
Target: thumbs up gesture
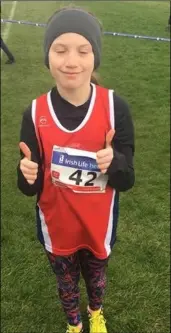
point(28, 168)
point(105, 156)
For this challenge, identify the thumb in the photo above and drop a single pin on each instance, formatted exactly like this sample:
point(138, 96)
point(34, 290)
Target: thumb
point(25, 150)
point(109, 137)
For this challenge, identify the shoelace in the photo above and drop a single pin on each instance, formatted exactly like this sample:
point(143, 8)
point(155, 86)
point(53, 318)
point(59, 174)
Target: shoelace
point(70, 330)
point(102, 320)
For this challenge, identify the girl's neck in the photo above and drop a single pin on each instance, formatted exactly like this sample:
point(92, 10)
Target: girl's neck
point(76, 97)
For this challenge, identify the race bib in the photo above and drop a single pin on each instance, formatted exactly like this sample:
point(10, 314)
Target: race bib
point(77, 170)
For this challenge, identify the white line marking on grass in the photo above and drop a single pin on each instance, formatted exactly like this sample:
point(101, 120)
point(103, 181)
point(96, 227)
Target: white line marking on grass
point(8, 25)
point(6, 3)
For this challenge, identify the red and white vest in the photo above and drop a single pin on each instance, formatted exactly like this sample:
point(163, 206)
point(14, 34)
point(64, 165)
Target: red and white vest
point(69, 221)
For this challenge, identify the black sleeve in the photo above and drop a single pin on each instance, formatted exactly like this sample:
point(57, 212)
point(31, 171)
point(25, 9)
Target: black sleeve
point(28, 135)
point(121, 171)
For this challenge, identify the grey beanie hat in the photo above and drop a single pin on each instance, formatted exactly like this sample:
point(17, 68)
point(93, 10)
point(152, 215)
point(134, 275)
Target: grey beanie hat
point(76, 21)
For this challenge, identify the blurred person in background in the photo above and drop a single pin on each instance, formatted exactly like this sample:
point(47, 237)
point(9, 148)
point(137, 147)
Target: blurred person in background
point(10, 56)
point(169, 21)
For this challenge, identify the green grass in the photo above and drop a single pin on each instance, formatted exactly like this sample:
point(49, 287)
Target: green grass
point(137, 296)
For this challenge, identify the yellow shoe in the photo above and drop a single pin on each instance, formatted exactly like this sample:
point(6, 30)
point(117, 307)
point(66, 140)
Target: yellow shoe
point(97, 322)
point(73, 329)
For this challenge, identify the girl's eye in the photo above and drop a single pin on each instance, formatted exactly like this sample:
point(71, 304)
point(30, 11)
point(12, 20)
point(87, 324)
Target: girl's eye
point(60, 51)
point(83, 52)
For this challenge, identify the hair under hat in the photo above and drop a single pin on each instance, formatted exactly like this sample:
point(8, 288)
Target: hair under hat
point(76, 21)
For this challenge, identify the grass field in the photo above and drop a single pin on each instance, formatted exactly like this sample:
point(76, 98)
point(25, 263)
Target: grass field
point(137, 296)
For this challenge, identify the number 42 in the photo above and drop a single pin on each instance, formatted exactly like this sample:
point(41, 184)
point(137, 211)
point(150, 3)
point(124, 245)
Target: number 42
point(76, 176)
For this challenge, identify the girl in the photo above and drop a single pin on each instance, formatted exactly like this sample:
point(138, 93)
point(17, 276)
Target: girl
point(77, 147)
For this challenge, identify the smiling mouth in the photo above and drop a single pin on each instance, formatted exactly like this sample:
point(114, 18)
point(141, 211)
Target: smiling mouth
point(71, 73)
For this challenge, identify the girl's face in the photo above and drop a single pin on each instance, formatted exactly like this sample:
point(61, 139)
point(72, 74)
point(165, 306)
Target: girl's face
point(71, 60)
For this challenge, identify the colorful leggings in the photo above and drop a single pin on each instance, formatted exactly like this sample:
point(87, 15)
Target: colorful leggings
point(67, 271)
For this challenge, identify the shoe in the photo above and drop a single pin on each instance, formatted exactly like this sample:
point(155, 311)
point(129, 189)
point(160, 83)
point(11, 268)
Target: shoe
point(10, 61)
point(73, 329)
point(97, 322)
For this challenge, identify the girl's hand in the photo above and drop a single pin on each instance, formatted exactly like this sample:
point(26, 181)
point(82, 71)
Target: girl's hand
point(105, 156)
point(28, 168)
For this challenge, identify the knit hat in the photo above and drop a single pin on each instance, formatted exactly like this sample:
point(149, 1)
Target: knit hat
point(76, 21)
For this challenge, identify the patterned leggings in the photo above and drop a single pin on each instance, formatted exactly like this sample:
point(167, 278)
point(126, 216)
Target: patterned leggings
point(67, 271)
